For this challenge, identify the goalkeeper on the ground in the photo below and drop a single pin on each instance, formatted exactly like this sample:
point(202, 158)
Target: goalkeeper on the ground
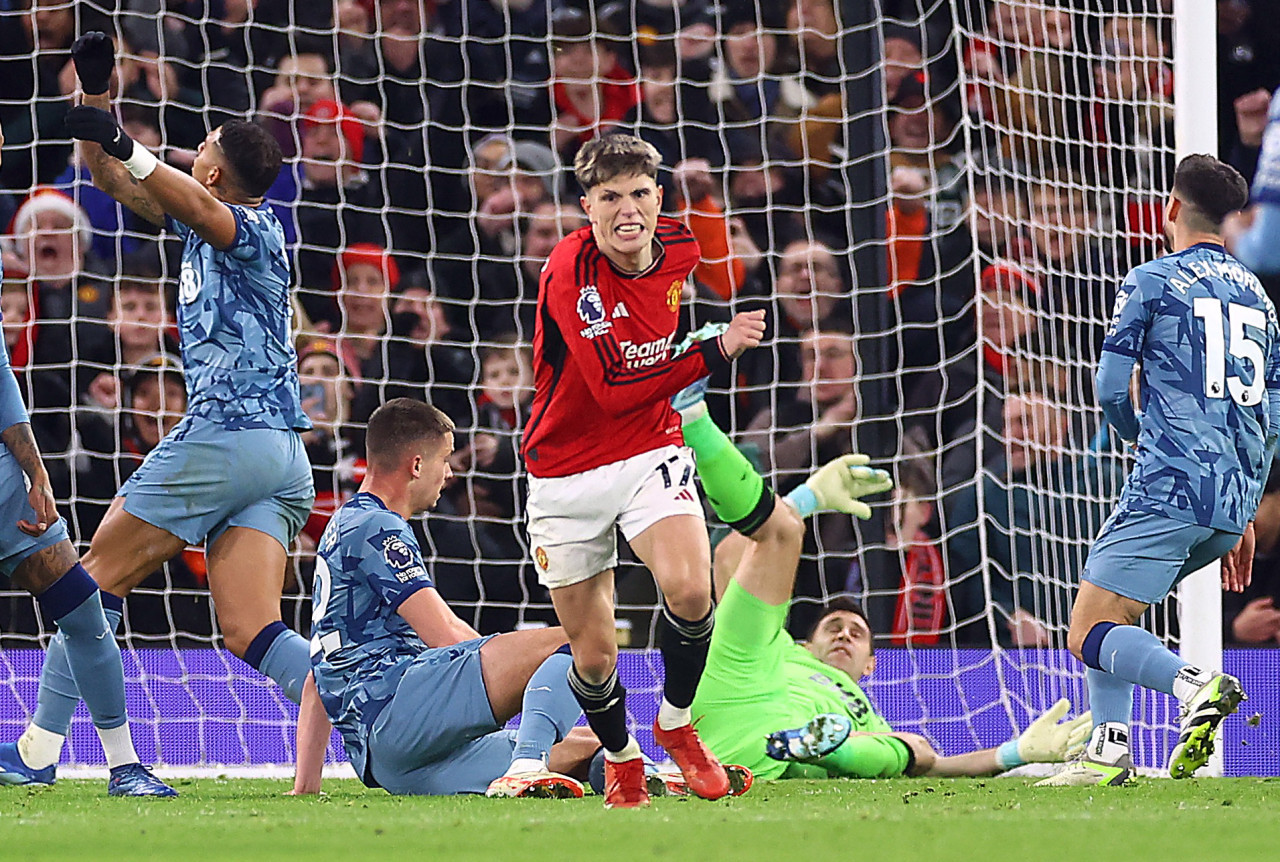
point(787, 710)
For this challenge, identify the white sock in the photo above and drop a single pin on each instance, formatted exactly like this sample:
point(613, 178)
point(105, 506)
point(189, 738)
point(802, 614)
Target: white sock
point(670, 717)
point(629, 752)
point(1109, 743)
point(521, 765)
point(117, 745)
point(1188, 682)
point(39, 747)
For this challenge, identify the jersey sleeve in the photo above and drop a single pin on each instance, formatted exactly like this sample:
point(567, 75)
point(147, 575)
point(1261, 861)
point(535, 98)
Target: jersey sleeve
point(1120, 352)
point(250, 241)
point(869, 756)
point(593, 346)
point(392, 562)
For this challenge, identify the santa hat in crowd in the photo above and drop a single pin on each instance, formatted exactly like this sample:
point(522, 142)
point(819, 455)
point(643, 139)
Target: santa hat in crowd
point(371, 254)
point(327, 111)
point(44, 200)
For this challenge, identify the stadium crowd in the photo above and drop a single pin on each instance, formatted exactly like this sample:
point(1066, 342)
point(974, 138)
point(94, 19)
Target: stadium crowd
point(426, 181)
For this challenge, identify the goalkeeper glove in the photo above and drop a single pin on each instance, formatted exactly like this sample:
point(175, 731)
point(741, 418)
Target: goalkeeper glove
point(95, 58)
point(1047, 740)
point(838, 485)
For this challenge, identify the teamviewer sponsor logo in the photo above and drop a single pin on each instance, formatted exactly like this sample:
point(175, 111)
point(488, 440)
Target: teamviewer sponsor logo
point(646, 354)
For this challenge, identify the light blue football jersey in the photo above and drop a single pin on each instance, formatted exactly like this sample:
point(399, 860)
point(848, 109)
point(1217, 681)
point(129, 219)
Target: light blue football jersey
point(368, 562)
point(1265, 187)
point(1209, 345)
point(234, 321)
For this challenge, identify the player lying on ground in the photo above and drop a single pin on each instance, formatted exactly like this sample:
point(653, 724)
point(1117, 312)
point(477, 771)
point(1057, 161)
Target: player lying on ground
point(603, 452)
point(233, 473)
point(805, 700)
point(419, 697)
point(1207, 339)
point(36, 554)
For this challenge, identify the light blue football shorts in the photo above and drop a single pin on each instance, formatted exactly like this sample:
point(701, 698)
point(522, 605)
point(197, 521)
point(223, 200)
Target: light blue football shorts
point(438, 736)
point(203, 479)
point(1142, 556)
point(15, 545)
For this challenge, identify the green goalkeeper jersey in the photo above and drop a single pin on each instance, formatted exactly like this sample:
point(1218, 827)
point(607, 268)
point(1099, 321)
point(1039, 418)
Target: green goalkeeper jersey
point(759, 680)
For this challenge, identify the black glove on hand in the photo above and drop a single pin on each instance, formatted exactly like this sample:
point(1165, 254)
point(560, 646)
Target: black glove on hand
point(95, 57)
point(94, 124)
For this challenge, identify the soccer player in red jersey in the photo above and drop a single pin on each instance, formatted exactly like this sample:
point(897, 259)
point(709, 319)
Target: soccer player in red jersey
point(604, 449)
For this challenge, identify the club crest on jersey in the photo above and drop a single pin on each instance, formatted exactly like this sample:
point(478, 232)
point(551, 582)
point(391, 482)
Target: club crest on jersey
point(673, 295)
point(540, 557)
point(591, 311)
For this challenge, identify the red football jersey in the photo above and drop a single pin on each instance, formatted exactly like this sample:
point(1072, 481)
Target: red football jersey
point(603, 376)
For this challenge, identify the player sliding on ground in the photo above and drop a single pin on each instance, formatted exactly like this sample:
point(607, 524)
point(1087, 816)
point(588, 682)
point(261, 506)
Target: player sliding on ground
point(786, 710)
point(36, 554)
point(603, 451)
point(419, 696)
point(233, 473)
point(1206, 336)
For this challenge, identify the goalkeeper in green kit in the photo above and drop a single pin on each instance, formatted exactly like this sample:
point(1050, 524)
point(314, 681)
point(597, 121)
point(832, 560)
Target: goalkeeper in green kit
point(790, 711)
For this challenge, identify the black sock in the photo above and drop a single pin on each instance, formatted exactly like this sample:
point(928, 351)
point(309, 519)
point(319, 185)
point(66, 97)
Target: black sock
point(684, 654)
point(605, 706)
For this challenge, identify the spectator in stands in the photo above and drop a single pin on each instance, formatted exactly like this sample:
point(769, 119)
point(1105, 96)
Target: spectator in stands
point(1040, 509)
point(137, 328)
point(1252, 618)
point(672, 114)
point(524, 176)
point(911, 531)
point(812, 426)
point(423, 358)
point(339, 203)
point(364, 275)
point(301, 80)
point(337, 464)
point(817, 45)
point(45, 391)
point(33, 51)
point(810, 293)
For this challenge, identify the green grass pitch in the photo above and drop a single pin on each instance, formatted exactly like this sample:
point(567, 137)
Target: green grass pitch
point(880, 821)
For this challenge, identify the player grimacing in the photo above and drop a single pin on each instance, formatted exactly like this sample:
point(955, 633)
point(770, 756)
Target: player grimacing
point(233, 473)
point(1208, 342)
point(603, 450)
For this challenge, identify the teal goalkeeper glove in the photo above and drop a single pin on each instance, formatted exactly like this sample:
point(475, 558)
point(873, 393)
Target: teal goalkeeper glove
point(839, 485)
point(1047, 740)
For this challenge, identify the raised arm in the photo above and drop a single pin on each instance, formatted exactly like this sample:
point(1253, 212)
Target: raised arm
point(128, 171)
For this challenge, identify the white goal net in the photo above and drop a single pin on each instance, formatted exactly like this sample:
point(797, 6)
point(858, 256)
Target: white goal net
point(933, 199)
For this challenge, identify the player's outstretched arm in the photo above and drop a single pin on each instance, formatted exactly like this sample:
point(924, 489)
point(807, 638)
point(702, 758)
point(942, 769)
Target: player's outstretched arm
point(314, 730)
point(433, 620)
point(1048, 739)
point(168, 191)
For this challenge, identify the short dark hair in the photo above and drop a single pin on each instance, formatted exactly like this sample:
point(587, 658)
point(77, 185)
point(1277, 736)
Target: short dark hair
point(614, 155)
point(399, 424)
point(847, 604)
point(1210, 189)
point(253, 153)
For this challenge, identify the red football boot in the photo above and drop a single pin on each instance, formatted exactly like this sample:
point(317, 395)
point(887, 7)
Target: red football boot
point(624, 784)
point(704, 774)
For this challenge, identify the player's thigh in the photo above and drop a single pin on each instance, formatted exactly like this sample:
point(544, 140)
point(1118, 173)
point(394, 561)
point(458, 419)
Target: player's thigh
point(765, 564)
point(440, 705)
point(280, 500)
point(572, 525)
point(663, 522)
point(1139, 555)
point(470, 768)
point(246, 576)
point(508, 661)
point(747, 647)
point(126, 549)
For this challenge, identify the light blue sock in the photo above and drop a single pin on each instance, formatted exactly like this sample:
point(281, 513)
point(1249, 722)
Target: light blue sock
point(94, 658)
point(1110, 697)
point(1136, 655)
point(58, 693)
point(287, 661)
point(549, 709)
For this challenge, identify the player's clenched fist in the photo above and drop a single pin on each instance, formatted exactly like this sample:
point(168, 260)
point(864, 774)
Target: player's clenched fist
point(95, 58)
point(744, 332)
